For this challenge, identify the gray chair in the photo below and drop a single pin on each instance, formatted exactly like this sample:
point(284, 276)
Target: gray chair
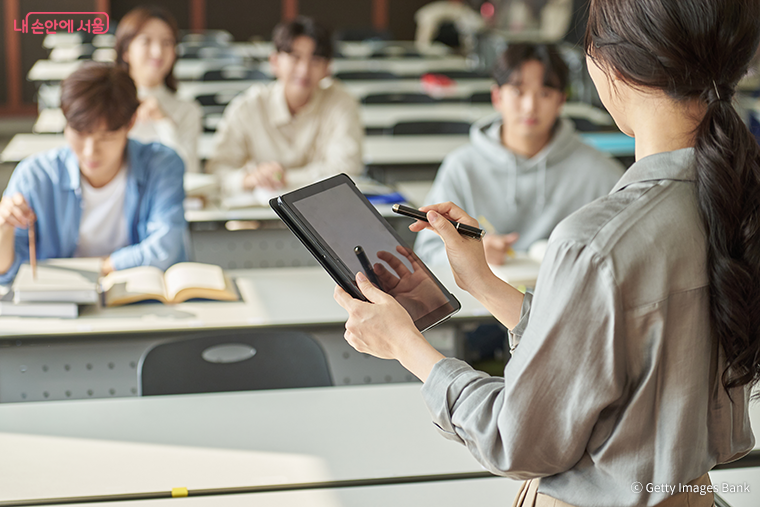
point(427, 128)
point(233, 360)
point(398, 98)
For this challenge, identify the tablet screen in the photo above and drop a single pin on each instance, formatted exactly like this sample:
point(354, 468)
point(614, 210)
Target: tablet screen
point(364, 242)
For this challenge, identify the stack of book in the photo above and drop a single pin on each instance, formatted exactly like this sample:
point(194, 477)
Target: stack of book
point(57, 289)
point(61, 286)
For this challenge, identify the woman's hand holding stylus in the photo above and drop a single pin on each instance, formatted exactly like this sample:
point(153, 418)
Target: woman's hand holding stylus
point(468, 263)
point(382, 328)
point(466, 255)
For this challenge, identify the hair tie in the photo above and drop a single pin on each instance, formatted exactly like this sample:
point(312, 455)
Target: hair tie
point(717, 93)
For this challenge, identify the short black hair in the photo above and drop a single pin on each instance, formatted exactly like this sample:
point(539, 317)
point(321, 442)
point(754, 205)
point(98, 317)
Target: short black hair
point(506, 70)
point(286, 32)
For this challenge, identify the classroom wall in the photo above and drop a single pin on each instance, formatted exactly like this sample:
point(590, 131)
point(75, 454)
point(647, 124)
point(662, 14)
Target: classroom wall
point(245, 19)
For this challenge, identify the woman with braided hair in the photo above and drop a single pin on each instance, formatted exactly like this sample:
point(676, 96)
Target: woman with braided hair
point(633, 360)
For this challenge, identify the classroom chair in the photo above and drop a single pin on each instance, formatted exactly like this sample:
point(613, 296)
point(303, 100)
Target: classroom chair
point(462, 74)
point(233, 360)
point(398, 98)
point(214, 103)
point(480, 98)
point(430, 128)
point(364, 75)
point(235, 73)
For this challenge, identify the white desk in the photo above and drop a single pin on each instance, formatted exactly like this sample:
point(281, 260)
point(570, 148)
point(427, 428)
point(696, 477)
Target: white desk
point(24, 145)
point(488, 491)
point(49, 94)
point(189, 69)
point(184, 69)
point(380, 115)
point(282, 438)
point(378, 150)
point(97, 354)
point(402, 66)
point(392, 150)
point(271, 297)
point(279, 439)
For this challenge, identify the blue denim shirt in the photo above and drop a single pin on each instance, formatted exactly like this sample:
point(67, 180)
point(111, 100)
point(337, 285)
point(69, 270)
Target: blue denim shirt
point(153, 206)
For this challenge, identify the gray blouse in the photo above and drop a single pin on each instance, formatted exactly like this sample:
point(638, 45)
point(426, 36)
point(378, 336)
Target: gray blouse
point(616, 379)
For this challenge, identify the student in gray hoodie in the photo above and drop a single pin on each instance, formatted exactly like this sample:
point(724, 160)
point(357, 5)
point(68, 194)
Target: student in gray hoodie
point(525, 170)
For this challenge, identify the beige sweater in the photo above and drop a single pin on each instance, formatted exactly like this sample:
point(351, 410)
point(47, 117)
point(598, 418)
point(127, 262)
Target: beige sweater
point(321, 140)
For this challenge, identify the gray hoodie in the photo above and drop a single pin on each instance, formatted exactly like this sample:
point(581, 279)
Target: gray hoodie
point(515, 194)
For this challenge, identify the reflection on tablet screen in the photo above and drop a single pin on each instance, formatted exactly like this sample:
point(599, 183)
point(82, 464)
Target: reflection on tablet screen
point(346, 225)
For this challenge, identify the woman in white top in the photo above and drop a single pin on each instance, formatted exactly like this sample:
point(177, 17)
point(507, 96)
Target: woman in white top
point(145, 45)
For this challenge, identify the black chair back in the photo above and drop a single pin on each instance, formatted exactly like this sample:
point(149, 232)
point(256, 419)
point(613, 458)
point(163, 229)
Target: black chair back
point(429, 128)
point(233, 360)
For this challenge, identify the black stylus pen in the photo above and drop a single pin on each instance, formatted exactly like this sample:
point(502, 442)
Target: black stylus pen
point(367, 266)
point(464, 230)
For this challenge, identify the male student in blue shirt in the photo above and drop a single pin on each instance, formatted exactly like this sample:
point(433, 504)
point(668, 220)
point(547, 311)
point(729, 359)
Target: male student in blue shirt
point(101, 195)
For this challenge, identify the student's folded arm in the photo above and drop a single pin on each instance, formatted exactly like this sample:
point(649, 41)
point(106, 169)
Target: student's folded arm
point(166, 227)
point(231, 149)
point(567, 369)
point(339, 149)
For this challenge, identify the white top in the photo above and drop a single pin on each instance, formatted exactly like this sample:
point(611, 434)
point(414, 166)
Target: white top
point(180, 130)
point(103, 227)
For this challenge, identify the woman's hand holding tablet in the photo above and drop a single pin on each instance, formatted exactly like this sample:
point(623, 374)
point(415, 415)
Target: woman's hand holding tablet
point(381, 327)
point(347, 235)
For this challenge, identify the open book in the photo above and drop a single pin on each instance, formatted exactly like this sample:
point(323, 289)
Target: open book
point(183, 281)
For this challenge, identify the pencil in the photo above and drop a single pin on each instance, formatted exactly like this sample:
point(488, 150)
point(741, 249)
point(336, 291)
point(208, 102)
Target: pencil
point(32, 250)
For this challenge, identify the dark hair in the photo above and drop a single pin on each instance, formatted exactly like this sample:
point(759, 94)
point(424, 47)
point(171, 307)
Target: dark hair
point(98, 92)
point(697, 50)
point(506, 70)
point(131, 24)
point(286, 32)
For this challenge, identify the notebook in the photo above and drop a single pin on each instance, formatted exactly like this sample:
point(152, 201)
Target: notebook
point(59, 281)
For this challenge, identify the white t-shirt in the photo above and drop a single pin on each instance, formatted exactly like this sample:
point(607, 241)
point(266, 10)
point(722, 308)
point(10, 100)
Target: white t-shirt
point(103, 227)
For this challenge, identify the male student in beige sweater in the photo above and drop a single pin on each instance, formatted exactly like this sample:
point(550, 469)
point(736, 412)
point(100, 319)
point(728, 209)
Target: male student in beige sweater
point(295, 130)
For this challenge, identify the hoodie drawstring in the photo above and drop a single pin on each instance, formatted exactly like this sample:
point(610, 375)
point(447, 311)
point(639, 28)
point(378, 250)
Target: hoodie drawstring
point(513, 181)
point(541, 185)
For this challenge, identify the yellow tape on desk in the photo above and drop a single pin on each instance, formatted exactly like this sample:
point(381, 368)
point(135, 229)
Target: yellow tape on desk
point(179, 492)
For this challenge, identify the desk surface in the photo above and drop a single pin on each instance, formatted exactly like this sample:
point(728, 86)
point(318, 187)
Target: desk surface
point(189, 69)
point(378, 150)
point(284, 437)
point(271, 297)
point(49, 94)
point(51, 120)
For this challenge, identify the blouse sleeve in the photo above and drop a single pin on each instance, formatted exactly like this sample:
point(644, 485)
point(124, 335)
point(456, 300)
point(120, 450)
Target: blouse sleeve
point(569, 366)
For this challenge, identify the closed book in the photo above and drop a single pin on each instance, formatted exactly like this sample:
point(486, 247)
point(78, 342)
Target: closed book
point(59, 281)
point(53, 310)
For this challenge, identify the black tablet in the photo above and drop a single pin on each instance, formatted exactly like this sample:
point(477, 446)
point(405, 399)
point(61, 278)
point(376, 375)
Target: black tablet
point(346, 234)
